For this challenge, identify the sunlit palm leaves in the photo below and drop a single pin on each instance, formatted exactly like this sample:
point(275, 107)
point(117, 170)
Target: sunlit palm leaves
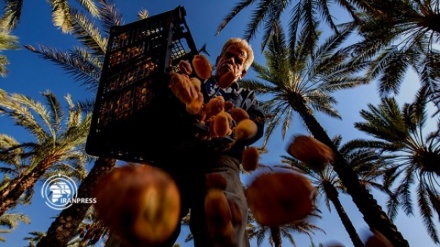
point(82, 65)
point(61, 15)
point(11, 221)
point(56, 142)
point(33, 238)
point(85, 64)
point(7, 42)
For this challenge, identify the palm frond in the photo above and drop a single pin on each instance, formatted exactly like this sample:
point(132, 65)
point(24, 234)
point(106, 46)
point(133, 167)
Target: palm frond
point(109, 15)
point(72, 63)
point(236, 9)
point(90, 6)
point(22, 115)
point(393, 73)
point(56, 113)
point(88, 34)
point(61, 16)
point(423, 201)
point(142, 14)
point(11, 220)
point(11, 14)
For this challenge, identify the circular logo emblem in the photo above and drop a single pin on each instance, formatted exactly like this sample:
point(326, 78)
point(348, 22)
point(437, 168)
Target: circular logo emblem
point(58, 192)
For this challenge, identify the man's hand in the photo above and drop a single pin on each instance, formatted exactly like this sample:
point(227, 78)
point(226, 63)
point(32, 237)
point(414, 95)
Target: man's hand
point(232, 74)
point(183, 88)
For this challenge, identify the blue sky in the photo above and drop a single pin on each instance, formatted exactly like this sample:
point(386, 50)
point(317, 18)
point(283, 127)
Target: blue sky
point(30, 75)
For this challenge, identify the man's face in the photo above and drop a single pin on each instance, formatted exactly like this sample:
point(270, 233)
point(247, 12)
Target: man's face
point(231, 60)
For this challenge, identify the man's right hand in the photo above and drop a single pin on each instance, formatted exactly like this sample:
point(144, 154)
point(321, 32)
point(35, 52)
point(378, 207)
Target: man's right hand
point(183, 88)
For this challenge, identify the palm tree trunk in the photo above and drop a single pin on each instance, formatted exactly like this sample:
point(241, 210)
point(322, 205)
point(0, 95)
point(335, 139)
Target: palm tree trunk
point(275, 233)
point(20, 184)
point(431, 22)
point(333, 195)
point(372, 212)
point(65, 226)
point(427, 161)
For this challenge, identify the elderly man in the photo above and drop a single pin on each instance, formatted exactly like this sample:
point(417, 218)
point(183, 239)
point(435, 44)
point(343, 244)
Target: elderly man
point(208, 179)
point(236, 56)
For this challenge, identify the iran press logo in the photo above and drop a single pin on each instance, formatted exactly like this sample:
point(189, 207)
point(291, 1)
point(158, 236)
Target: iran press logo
point(60, 192)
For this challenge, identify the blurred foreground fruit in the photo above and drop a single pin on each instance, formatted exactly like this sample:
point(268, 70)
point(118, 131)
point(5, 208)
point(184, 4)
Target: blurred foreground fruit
point(378, 240)
point(227, 79)
point(215, 181)
point(280, 198)
point(245, 129)
point(140, 204)
point(335, 245)
point(202, 66)
point(250, 158)
point(218, 216)
point(311, 151)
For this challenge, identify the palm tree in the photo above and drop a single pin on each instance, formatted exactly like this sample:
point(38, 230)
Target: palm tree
point(90, 231)
point(34, 237)
point(293, 73)
point(61, 14)
point(7, 42)
point(300, 81)
point(327, 184)
point(11, 222)
point(400, 132)
point(366, 164)
point(303, 13)
point(54, 144)
point(85, 64)
point(65, 226)
point(258, 232)
point(399, 35)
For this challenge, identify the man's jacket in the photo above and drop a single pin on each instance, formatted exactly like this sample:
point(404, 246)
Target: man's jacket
point(240, 98)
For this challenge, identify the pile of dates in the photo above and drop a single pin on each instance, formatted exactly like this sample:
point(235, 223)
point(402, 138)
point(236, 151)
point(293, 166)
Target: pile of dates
point(220, 117)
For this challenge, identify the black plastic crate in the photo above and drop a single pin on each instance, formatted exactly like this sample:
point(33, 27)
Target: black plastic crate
point(135, 114)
